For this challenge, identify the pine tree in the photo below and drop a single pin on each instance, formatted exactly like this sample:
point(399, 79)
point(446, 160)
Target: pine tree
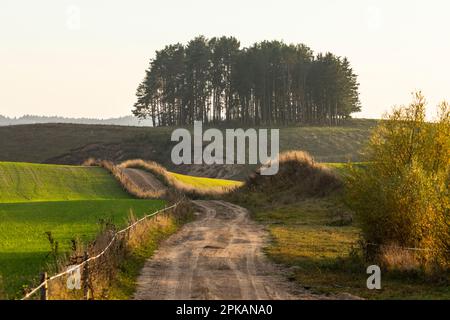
point(268, 83)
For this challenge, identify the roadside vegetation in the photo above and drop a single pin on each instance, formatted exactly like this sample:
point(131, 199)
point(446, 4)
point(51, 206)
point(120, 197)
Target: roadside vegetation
point(402, 198)
point(206, 184)
point(114, 274)
point(318, 237)
point(73, 144)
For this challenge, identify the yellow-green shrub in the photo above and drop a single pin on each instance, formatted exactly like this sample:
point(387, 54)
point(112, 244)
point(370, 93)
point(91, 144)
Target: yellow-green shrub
point(402, 197)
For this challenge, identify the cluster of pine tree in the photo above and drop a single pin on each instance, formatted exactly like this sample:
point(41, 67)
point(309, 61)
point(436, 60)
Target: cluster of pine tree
point(269, 83)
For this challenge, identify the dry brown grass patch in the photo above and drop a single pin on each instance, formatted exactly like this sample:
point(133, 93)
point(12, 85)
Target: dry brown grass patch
point(299, 176)
point(176, 185)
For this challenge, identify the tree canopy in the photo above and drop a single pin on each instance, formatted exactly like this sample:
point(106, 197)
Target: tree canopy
point(269, 83)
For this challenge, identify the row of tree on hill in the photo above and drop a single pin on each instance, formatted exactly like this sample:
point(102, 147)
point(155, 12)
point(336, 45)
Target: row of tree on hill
point(269, 83)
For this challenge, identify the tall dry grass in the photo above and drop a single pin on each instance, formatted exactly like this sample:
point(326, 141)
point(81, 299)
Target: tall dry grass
point(299, 176)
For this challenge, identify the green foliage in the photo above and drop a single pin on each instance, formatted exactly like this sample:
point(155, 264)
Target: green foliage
point(402, 197)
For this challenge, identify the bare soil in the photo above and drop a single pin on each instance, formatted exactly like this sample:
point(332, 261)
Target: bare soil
point(218, 256)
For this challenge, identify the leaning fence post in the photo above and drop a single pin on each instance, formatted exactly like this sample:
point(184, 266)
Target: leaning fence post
point(44, 288)
point(86, 277)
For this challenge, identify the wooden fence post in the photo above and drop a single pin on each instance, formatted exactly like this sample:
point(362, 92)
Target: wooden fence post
point(86, 277)
point(44, 288)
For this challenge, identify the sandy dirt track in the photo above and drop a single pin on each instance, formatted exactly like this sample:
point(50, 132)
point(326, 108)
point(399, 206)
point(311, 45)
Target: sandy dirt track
point(218, 256)
point(144, 180)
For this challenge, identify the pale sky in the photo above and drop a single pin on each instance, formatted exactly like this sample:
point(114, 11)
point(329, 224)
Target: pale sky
point(56, 62)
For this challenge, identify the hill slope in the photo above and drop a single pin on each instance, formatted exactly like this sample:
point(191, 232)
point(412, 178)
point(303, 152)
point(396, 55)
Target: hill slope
point(20, 182)
point(72, 144)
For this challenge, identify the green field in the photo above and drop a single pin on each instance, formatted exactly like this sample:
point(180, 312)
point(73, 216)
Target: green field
point(321, 249)
point(20, 182)
point(67, 201)
point(205, 183)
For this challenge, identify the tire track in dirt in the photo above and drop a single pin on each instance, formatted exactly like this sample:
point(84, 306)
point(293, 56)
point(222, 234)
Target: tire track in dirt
point(217, 256)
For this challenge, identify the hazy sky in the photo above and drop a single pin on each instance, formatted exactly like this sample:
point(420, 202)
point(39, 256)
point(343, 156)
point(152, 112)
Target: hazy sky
point(86, 57)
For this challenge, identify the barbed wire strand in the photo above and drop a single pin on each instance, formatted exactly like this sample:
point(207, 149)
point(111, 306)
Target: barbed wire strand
point(399, 247)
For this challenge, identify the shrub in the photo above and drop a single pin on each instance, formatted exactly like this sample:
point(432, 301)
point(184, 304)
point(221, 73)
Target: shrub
point(402, 197)
point(299, 176)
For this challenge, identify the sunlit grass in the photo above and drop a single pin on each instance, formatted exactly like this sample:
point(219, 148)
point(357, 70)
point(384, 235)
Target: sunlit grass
point(21, 182)
point(205, 183)
point(68, 201)
point(24, 246)
point(324, 255)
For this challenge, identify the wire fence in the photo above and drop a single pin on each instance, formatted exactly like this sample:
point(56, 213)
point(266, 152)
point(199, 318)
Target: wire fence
point(400, 247)
point(70, 270)
point(397, 247)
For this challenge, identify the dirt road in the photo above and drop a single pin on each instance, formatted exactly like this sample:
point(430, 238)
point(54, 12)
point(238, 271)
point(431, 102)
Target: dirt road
point(144, 180)
point(218, 256)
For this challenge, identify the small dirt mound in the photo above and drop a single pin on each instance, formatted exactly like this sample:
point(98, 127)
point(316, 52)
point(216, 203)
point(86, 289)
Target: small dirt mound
point(298, 176)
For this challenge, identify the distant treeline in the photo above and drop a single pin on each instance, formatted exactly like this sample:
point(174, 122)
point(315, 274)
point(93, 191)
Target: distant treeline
point(30, 119)
point(214, 80)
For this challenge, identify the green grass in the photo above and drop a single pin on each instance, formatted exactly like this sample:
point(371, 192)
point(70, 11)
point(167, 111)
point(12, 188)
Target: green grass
point(24, 246)
point(68, 201)
point(21, 182)
point(205, 183)
point(124, 285)
point(343, 168)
